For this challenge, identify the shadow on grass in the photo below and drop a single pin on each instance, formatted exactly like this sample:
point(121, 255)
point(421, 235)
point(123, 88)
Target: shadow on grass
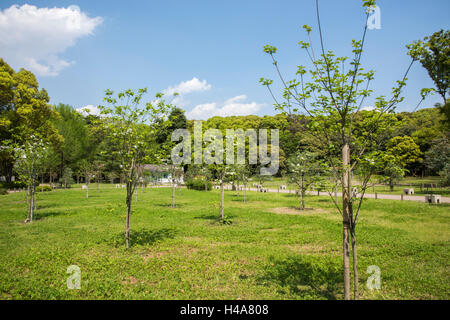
point(143, 237)
point(308, 277)
point(46, 205)
point(213, 217)
point(169, 205)
point(442, 204)
point(290, 195)
point(43, 215)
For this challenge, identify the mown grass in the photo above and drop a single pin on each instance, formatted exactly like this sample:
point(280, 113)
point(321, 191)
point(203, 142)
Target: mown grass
point(185, 253)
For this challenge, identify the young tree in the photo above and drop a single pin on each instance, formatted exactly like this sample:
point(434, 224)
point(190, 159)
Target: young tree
point(304, 170)
point(243, 174)
point(391, 169)
point(98, 167)
point(176, 172)
point(50, 164)
point(28, 162)
point(223, 173)
point(67, 177)
point(111, 176)
point(205, 172)
point(128, 125)
point(331, 94)
point(87, 170)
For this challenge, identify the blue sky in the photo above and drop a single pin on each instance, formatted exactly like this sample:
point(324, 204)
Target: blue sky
point(160, 44)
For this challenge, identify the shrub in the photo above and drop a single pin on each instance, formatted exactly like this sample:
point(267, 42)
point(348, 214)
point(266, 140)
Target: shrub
point(198, 184)
point(43, 188)
point(3, 191)
point(13, 185)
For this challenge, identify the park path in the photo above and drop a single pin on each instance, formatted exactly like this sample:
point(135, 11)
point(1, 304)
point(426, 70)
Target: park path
point(367, 195)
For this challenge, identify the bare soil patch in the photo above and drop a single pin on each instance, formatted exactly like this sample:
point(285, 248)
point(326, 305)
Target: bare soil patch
point(131, 280)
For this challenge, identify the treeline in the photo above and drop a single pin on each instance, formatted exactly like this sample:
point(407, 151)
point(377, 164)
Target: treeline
point(79, 146)
point(421, 137)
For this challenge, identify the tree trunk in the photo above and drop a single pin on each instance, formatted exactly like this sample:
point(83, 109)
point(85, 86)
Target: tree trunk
point(173, 194)
point(245, 193)
point(30, 205)
point(87, 188)
point(302, 199)
point(34, 199)
point(335, 191)
point(129, 198)
point(391, 184)
point(221, 199)
point(355, 265)
point(30, 218)
point(346, 219)
point(301, 194)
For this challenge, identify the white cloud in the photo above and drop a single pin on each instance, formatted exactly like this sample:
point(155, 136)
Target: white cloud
point(202, 111)
point(367, 108)
point(183, 88)
point(235, 99)
point(32, 37)
point(89, 110)
point(231, 107)
point(193, 85)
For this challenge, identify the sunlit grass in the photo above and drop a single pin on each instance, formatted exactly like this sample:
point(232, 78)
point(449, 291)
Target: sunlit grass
point(184, 253)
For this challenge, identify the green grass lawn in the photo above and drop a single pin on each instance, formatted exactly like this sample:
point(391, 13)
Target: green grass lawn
point(270, 251)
